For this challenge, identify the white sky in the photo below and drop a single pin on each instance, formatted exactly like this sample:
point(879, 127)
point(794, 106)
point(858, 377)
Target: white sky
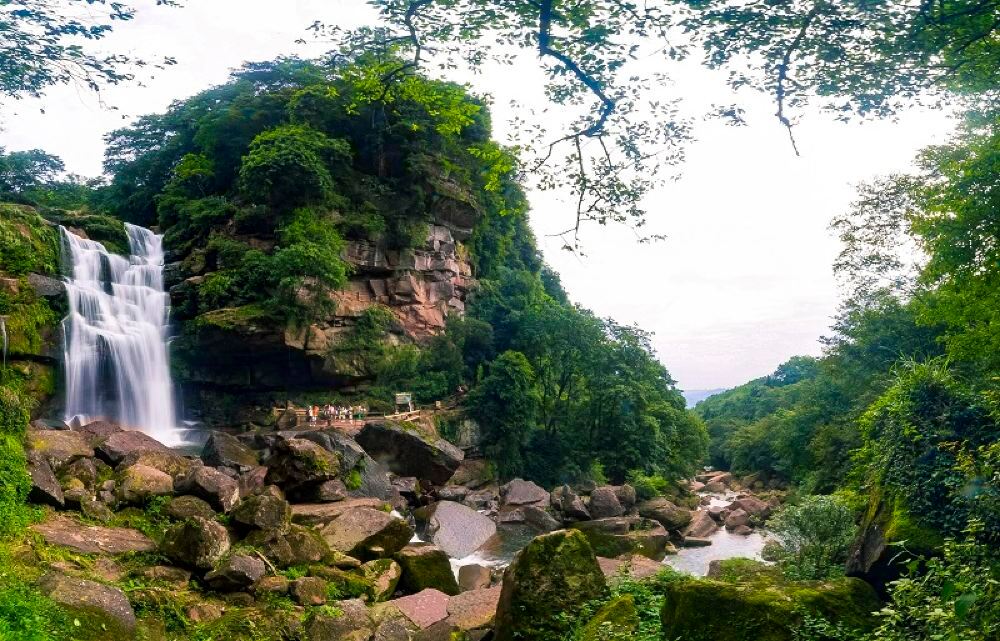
point(743, 280)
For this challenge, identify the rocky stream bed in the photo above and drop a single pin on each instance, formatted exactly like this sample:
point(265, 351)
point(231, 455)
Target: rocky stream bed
point(392, 526)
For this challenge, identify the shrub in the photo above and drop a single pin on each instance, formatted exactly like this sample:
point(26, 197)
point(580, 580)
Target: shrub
point(954, 596)
point(648, 486)
point(813, 537)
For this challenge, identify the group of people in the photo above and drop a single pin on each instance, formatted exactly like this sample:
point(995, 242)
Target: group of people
point(333, 413)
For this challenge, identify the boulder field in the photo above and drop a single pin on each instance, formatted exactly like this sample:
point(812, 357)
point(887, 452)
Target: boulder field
point(315, 535)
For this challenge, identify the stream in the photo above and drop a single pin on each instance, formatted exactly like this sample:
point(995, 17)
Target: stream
point(499, 551)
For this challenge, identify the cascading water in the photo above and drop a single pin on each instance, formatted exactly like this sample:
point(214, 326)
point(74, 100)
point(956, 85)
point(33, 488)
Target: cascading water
point(115, 350)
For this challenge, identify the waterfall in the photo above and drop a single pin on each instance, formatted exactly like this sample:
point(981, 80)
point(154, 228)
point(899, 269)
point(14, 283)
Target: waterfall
point(3, 333)
point(115, 336)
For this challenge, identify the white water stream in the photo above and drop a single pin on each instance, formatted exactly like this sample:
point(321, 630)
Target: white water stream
point(115, 349)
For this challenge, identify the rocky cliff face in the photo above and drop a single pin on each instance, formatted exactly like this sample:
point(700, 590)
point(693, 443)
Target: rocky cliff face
point(235, 364)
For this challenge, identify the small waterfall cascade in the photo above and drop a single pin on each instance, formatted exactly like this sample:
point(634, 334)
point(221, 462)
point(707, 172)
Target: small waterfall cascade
point(115, 336)
point(3, 335)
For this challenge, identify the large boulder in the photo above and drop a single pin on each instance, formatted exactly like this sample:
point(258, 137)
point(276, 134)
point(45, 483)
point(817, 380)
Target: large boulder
point(455, 528)
point(758, 608)
point(383, 576)
point(474, 610)
point(100, 609)
point(168, 462)
point(119, 445)
point(298, 465)
point(224, 450)
point(546, 586)
point(702, 525)
point(753, 506)
point(737, 518)
point(263, 512)
point(236, 572)
point(58, 447)
point(298, 546)
point(187, 506)
point(570, 505)
point(626, 536)
point(423, 609)
point(406, 451)
point(197, 543)
point(426, 566)
point(92, 539)
point(604, 503)
point(323, 513)
point(666, 513)
point(521, 492)
point(617, 619)
point(139, 483)
point(220, 490)
point(45, 488)
point(367, 534)
point(474, 577)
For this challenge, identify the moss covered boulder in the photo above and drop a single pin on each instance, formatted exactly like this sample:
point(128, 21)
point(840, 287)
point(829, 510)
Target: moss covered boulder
point(621, 536)
point(761, 606)
point(546, 586)
point(426, 566)
point(617, 619)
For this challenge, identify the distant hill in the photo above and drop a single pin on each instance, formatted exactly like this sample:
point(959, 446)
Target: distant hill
point(694, 396)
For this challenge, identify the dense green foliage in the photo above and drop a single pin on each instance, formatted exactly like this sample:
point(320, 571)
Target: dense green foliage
point(901, 412)
point(812, 538)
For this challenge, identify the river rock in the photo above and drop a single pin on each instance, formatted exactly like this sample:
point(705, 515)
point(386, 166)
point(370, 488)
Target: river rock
point(383, 575)
point(696, 486)
point(83, 469)
point(272, 585)
point(743, 530)
point(407, 452)
point(634, 567)
point(187, 506)
point(475, 609)
point(666, 513)
point(91, 599)
point(752, 506)
point(220, 490)
point(119, 445)
point(545, 587)
point(424, 608)
point(177, 577)
point(197, 543)
point(308, 590)
point(96, 432)
point(539, 518)
point(455, 528)
point(570, 504)
point(45, 488)
point(323, 513)
point(300, 464)
point(351, 453)
point(604, 503)
point(58, 447)
point(365, 533)
point(298, 546)
point(701, 526)
point(263, 512)
point(696, 542)
point(236, 572)
point(521, 492)
point(48, 424)
point(626, 536)
point(139, 483)
point(426, 566)
point(330, 491)
point(718, 513)
point(224, 450)
point(171, 463)
point(474, 577)
point(91, 539)
point(737, 518)
point(353, 623)
point(626, 495)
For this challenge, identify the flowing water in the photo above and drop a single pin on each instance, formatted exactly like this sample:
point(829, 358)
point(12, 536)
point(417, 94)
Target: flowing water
point(725, 545)
point(115, 346)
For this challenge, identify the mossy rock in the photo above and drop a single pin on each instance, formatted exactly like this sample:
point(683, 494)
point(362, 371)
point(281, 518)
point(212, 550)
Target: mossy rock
point(546, 586)
point(739, 570)
point(426, 566)
point(107, 230)
point(27, 242)
point(615, 621)
point(762, 610)
point(343, 584)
